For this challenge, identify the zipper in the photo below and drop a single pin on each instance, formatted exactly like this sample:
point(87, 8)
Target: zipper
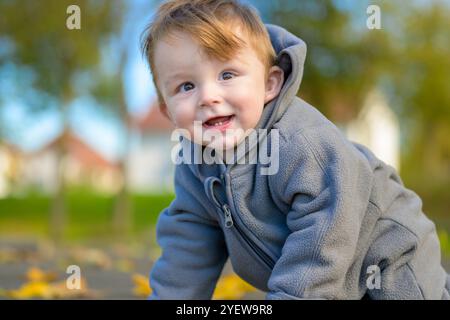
point(228, 218)
point(259, 252)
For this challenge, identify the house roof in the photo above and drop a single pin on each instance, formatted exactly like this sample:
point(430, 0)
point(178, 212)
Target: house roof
point(78, 149)
point(153, 121)
point(10, 147)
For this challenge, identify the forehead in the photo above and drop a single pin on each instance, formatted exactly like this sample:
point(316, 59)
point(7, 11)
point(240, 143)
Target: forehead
point(174, 49)
point(179, 52)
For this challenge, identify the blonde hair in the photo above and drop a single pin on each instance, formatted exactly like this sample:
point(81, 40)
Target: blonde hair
point(208, 22)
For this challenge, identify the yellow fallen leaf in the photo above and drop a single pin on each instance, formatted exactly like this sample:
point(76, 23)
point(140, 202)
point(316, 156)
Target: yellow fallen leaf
point(141, 285)
point(46, 290)
point(35, 289)
point(231, 287)
point(35, 274)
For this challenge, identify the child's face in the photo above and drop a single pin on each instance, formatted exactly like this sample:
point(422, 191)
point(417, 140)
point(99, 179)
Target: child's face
point(227, 96)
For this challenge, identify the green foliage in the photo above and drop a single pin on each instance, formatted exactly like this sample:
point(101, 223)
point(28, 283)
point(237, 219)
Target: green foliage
point(445, 243)
point(422, 83)
point(89, 214)
point(54, 53)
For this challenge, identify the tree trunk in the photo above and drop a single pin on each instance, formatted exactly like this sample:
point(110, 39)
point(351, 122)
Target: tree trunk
point(58, 212)
point(58, 219)
point(122, 215)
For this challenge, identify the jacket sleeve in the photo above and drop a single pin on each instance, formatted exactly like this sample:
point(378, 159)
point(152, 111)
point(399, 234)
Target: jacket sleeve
point(192, 244)
point(325, 187)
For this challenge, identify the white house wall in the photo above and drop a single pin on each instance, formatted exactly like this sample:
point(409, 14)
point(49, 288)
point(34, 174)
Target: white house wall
point(40, 172)
point(4, 165)
point(150, 168)
point(377, 127)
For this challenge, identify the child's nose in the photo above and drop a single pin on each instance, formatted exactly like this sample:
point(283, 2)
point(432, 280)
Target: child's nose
point(209, 96)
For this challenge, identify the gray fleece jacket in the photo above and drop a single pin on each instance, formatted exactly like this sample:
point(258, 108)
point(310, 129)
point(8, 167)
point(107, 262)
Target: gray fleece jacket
point(329, 222)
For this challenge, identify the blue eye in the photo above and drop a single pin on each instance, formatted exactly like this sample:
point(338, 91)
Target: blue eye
point(186, 86)
point(227, 75)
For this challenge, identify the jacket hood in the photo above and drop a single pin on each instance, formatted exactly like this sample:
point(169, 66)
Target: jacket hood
point(291, 54)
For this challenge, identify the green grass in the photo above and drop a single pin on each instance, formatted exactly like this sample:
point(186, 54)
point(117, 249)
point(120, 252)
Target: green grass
point(88, 214)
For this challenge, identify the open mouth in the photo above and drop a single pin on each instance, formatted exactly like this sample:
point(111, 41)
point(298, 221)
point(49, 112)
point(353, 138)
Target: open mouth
point(219, 122)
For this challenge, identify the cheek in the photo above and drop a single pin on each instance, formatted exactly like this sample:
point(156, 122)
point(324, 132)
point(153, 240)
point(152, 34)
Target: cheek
point(183, 113)
point(248, 103)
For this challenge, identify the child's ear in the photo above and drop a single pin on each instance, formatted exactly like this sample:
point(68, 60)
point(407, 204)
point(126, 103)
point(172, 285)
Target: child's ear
point(274, 83)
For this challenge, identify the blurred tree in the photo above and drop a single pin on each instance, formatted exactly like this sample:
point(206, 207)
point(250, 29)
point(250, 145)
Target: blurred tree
point(421, 84)
point(111, 88)
point(58, 58)
point(344, 59)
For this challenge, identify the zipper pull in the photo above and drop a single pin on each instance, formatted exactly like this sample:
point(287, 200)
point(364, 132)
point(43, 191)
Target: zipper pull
point(228, 217)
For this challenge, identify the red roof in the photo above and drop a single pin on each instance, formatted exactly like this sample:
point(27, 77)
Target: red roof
point(79, 150)
point(11, 147)
point(153, 121)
